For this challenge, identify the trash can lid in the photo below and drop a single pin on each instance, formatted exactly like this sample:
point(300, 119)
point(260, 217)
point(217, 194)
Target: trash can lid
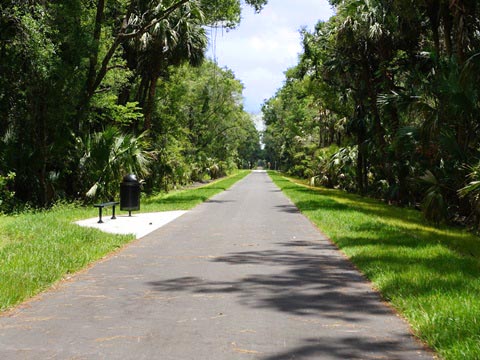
point(130, 178)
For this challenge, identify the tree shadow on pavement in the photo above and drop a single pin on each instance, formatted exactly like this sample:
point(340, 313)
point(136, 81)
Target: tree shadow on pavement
point(297, 282)
point(291, 209)
point(307, 280)
point(344, 348)
point(211, 201)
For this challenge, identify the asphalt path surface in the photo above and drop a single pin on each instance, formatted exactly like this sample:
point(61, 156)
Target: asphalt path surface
point(242, 276)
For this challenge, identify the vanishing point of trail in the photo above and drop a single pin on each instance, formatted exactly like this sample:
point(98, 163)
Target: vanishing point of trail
point(242, 276)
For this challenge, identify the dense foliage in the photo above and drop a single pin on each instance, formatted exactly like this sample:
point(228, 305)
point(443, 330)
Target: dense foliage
point(90, 90)
point(385, 101)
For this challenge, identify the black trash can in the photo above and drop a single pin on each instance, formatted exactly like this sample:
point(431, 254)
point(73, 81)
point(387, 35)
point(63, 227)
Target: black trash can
point(130, 194)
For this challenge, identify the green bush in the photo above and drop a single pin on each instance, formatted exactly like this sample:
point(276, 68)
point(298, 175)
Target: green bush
point(7, 195)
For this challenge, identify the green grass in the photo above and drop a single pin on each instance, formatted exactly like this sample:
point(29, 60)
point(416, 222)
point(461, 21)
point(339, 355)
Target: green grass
point(187, 199)
point(430, 275)
point(38, 249)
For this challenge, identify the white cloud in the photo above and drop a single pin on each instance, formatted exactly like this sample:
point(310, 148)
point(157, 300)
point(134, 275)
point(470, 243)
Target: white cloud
point(265, 45)
point(258, 121)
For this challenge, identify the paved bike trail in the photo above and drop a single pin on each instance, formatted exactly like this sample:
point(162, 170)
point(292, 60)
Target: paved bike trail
point(242, 276)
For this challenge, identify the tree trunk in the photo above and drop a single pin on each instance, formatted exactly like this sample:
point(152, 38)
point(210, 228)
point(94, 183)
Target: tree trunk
point(92, 68)
point(460, 31)
point(360, 166)
point(124, 95)
point(150, 103)
point(434, 17)
point(96, 44)
point(361, 175)
point(41, 139)
point(447, 31)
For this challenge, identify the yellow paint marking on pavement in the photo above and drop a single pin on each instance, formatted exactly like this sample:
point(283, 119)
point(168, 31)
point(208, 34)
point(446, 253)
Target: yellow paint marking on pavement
point(35, 319)
point(105, 339)
point(110, 338)
point(220, 315)
point(243, 351)
point(16, 326)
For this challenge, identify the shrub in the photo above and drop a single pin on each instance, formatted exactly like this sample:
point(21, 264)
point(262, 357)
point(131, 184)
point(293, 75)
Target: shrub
point(7, 195)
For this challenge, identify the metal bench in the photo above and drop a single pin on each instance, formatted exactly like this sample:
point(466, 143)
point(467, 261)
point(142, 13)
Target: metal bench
point(104, 205)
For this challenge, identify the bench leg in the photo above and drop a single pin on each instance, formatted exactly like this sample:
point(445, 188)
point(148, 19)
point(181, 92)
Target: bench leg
point(100, 215)
point(113, 212)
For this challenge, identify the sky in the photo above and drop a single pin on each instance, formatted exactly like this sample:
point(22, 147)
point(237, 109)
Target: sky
point(265, 45)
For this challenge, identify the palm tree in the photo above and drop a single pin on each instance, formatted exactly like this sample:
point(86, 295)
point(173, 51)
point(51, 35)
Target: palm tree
point(172, 41)
point(108, 155)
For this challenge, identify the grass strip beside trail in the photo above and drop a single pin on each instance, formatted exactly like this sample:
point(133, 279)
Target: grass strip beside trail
point(430, 275)
point(39, 248)
point(187, 199)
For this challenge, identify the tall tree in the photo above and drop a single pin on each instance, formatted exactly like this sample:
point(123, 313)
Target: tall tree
point(400, 76)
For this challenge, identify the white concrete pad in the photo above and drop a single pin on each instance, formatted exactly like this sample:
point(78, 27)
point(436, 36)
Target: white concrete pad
point(138, 224)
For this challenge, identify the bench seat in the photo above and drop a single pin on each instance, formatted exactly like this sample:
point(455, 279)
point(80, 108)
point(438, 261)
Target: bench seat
point(100, 207)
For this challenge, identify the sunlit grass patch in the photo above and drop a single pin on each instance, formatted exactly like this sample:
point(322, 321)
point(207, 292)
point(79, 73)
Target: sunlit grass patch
point(430, 275)
point(186, 199)
point(43, 247)
point(40, 248)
